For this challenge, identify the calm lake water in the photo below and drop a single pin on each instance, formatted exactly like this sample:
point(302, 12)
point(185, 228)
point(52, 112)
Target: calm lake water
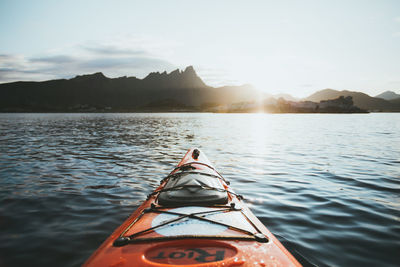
point(327, 185)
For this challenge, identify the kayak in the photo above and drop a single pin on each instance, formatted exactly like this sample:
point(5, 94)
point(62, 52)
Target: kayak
point(192, 219)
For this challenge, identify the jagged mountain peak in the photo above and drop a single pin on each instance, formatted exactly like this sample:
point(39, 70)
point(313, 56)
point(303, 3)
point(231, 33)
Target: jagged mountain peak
point(177, 78)
point(189, 69)
point(94, 76)
point(152, 75)
point(175, 72)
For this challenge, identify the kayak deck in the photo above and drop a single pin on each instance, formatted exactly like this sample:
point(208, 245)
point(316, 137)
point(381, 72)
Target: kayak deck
point(195, 219)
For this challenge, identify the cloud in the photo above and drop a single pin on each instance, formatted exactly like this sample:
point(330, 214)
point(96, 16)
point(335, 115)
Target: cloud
point(397, 19)
point(111, 59)
point(113, 50)
point(60, 59)
point(17, 67)
point(115, 58)
point(108, 63)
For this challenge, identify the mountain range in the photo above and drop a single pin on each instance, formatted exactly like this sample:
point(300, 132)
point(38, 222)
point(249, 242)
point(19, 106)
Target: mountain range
point(360, 100)
point(177, 91)
point(174, 91)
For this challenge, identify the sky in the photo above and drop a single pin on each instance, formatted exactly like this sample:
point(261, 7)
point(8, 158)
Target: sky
point(294, 47)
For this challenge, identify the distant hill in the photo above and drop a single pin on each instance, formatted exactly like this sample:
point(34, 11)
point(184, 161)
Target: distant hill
point(388, 95)
point(175, 91)
point(360, 100)
point(286, 97)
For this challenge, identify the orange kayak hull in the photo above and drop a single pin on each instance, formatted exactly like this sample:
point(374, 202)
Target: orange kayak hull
point(189, 240)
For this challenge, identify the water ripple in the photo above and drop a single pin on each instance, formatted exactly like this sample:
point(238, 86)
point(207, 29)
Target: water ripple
point(327, 185)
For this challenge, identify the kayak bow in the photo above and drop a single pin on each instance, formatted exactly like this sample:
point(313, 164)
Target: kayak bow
point(192, 219)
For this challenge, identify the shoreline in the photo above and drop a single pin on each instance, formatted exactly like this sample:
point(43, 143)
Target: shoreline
point(177, 112)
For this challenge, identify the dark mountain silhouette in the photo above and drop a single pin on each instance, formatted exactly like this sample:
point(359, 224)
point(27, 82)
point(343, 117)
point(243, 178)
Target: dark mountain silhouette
point(360, 100)
point(175, 91)
point(388, 95)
